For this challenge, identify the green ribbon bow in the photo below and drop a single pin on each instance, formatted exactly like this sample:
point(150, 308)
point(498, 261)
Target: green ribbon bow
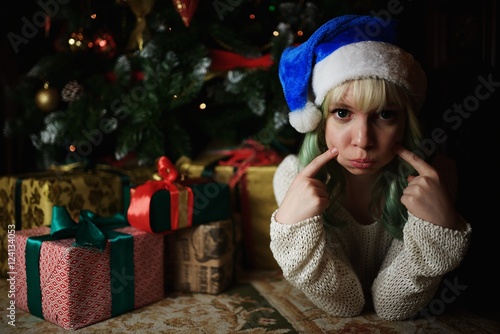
point(91, 231)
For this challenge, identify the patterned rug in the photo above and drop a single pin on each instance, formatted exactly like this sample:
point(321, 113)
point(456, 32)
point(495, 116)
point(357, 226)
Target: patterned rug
point(260, 303)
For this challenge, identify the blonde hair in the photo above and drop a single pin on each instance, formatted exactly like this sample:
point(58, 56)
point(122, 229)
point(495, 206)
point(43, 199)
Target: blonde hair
point(373, 94)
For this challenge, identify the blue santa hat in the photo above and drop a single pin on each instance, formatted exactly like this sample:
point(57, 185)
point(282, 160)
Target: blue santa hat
point(345, 48)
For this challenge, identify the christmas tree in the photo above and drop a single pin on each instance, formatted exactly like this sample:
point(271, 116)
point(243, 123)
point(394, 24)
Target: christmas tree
point(146, 78)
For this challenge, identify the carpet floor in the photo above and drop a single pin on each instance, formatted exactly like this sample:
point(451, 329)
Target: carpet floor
point(259, 303)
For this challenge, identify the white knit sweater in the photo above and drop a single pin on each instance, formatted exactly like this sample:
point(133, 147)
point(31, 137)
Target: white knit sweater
point(338, 267)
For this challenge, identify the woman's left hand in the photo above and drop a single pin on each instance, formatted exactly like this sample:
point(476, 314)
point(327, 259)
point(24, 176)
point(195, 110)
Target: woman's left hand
point(426, 196)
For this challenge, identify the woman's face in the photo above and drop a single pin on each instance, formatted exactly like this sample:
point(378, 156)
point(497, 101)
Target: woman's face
point(364, 138)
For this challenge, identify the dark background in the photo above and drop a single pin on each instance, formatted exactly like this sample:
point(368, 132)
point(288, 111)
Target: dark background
point(457, 43)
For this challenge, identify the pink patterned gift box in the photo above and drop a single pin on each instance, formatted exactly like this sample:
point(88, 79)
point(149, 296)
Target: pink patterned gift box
point(77, 283)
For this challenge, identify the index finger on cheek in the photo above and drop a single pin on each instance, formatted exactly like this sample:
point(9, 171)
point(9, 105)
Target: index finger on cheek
point(414, 160)
point(317, 163)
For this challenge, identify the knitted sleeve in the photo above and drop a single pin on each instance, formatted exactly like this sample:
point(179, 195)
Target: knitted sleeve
point(414, 267)
point(309, 260)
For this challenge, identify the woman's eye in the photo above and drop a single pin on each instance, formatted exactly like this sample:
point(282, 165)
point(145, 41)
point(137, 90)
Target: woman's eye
point(387, 114)
point(341, 113)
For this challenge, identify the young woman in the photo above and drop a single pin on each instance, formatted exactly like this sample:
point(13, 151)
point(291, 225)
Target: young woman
point(362, 219)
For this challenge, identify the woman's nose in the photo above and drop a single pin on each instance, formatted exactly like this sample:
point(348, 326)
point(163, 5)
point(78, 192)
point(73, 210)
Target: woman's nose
point(362, 135)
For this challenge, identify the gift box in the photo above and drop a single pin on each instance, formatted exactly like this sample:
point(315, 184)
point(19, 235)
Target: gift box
point(201, 259)
point(102, 271)
point(26, 200)
point(249, 170)
point(170, 203)
point(137, 174)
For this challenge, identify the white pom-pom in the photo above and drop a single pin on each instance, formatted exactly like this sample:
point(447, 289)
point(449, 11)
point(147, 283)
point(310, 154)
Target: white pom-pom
point(306, 119)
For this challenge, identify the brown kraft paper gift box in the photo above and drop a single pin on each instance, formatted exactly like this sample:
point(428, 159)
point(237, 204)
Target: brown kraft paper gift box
point(201, 259)
point(253, 203)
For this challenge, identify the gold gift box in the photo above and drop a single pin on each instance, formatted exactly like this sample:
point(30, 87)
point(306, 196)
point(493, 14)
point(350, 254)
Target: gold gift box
point(253, 203)
point(26, 200)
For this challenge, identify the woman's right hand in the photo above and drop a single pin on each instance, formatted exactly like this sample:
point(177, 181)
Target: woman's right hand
point(306, 197)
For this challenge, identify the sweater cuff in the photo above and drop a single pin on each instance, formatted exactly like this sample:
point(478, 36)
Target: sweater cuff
point(315, 219)
point(435, 249)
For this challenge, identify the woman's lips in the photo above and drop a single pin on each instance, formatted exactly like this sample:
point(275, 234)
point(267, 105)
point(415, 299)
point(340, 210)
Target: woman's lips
point(362, 163)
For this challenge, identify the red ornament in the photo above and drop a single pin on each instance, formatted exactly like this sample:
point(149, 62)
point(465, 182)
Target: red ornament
point(137, 75)
point(186, 9)
point(110, 76)
point(104, 44)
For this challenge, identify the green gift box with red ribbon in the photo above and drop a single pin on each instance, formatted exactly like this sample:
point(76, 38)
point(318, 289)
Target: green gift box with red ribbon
point(75, 274)
point(170, 202)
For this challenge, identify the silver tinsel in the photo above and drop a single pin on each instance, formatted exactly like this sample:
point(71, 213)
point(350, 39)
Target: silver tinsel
point(257, 105)
point(280, 119)
point(49, 135)
point(233, 79)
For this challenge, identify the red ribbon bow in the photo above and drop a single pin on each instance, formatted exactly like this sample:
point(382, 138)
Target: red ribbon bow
point(139, 209)
point(251, 153)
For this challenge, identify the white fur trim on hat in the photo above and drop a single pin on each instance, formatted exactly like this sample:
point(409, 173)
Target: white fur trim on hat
point(368, 59)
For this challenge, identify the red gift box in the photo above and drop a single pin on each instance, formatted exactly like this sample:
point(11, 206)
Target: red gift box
point(170, 202)
point(78, 286)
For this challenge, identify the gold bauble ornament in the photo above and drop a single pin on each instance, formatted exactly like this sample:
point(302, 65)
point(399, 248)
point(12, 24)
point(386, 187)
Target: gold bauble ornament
point(47, 98)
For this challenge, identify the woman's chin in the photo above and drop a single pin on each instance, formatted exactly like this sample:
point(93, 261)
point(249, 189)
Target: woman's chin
point(362, 171)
